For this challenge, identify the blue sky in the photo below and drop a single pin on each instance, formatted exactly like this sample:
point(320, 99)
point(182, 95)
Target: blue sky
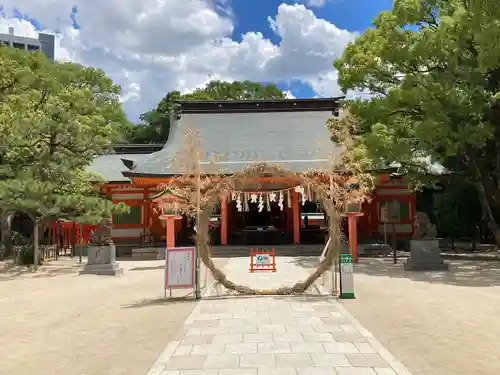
point(101, 41)
point(353, 15)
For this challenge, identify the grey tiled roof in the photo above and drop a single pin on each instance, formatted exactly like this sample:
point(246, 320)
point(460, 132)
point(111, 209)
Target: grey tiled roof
point(297, 145)
point(110, 167)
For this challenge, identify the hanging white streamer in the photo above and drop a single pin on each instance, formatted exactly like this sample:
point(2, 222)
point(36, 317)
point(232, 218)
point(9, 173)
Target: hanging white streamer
point(239, 206)
point(280, 202)
point(261, 203)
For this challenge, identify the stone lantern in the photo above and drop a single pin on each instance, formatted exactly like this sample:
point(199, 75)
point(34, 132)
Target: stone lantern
point(171, 209)
point(352, 209)
point(170, 205)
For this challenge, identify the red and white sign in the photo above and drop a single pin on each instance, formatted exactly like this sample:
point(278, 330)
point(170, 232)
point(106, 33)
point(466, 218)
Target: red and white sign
point(180, 268)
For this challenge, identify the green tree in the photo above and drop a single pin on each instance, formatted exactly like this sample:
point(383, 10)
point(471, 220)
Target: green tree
point(54, 119)
point(434, 68)
point(156, 123)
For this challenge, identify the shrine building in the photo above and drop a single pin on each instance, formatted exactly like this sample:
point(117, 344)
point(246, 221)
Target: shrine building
point(263, 211)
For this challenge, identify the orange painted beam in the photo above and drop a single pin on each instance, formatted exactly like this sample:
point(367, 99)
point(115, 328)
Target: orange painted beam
point(129, 192)
point(123, 186)
point(163, 180)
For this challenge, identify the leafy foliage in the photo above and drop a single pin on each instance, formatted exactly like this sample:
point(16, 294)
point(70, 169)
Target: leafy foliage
point(54, 119)
point(434, 68)
point(156, 123)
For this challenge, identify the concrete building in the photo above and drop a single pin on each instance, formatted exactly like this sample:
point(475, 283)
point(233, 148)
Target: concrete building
point(44, 43)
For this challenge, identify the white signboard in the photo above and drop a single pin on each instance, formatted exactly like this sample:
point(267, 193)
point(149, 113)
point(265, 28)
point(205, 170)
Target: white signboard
point(180, 268)
point(263, 259)
point(346, 276)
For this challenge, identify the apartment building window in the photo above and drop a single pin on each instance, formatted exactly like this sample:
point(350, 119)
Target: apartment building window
point(18, 45)
point(31, 47)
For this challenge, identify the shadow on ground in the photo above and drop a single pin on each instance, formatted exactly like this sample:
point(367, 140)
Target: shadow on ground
point(9, 271)
point(159, 301)
point(468, 273)
point(150, 268)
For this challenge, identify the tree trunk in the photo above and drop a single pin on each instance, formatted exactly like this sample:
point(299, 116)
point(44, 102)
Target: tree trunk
point(36, 249)
point(490, 219)
point(6, 234)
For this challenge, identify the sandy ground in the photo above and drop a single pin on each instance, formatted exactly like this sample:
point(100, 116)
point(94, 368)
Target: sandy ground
point(56, 322)
point(436, 322)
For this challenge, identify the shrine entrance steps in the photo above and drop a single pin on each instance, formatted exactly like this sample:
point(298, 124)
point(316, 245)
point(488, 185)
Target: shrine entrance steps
point(234, 251)
point(147, 252)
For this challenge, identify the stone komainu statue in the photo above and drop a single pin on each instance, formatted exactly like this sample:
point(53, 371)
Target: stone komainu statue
point(102, 234)
point(424, 229)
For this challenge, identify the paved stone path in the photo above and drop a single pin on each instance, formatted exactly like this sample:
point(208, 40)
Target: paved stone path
point(294, 335)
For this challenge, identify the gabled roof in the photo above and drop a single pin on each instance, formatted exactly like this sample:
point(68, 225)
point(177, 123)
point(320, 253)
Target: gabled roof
point(240, 131)
point(110, 166)
point(256, 106)
point(121, 157)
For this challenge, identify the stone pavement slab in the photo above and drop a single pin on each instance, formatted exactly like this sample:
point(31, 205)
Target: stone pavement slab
point(288, 273)
point(292, 335)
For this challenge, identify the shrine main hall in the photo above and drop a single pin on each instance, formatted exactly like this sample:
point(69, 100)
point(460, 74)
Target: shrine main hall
point(291, 133)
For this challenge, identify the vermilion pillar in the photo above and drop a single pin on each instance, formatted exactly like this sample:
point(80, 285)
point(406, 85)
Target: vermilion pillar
point(170, 235)
point(170, 228)
point(353, 234)
point(296, 217)
point(223, 221)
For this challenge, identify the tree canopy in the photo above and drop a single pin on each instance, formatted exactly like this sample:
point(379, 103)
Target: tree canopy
point(156, 123)
point(55, 118)
point(434, 69)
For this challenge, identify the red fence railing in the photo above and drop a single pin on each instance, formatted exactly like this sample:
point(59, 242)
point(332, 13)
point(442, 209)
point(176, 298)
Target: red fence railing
point(261, 260)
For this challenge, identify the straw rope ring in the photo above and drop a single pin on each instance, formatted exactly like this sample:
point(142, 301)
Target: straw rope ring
point(222, 187)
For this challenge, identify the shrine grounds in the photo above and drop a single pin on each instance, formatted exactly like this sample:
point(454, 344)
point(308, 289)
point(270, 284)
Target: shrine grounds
point(439, 323)
point(56, 322)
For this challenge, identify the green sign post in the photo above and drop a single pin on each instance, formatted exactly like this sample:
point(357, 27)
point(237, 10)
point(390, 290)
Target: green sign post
point(346, 276)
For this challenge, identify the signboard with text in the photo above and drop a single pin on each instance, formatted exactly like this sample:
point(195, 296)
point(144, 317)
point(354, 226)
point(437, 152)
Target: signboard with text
point(346, 276)
point(180, 268)
point(263, 259)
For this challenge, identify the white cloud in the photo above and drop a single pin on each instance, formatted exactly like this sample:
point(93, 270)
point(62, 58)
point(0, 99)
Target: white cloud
point(325, 84)
point(153, 46)
point(316, 3)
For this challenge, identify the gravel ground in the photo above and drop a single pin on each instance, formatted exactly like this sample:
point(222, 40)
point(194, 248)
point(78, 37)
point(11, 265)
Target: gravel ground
point(439, 323)
point(56, 322)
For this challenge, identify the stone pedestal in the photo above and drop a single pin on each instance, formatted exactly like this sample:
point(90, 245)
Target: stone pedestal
point(425, 255)
point(102, 261)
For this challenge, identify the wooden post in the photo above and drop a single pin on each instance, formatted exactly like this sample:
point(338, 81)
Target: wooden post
point(296, 217)
point(353, 235)
point(57, 235)
point(81, 244)
point(36, 249)
point(394, 244)
point(223, 221)
point(170, 235)
point(73, 240)
point(252, 253)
